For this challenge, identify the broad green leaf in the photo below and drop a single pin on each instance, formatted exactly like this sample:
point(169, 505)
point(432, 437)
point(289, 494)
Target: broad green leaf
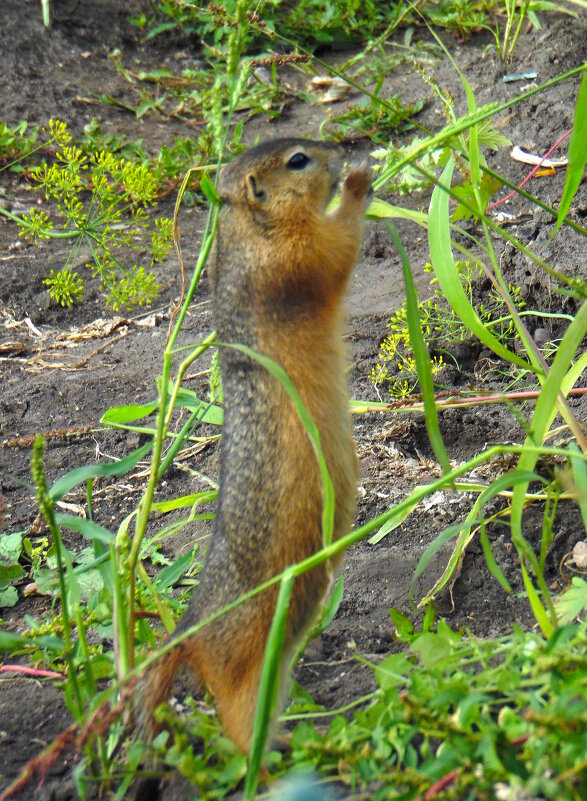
point(122, 415)
point(89, 582)
point(572, 602)
point(89, 529)
point(8, 598)
point(10, 548)
point(431, 649)
point(393, 671)
point(128, 413)
point(81, 474)
point(10, 572)
point(403, 625)
point(171, 574)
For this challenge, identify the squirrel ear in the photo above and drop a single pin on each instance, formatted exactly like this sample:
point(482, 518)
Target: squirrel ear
point(255, 193)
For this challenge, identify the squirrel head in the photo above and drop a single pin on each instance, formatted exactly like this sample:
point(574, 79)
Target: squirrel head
point(282, 177)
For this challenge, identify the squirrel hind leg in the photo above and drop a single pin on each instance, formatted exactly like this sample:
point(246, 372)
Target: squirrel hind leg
point(237, 705)
point(236, 701)
point(157, 685)
point(234, 679)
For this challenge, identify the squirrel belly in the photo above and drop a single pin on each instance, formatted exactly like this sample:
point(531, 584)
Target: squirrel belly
point(279, 275)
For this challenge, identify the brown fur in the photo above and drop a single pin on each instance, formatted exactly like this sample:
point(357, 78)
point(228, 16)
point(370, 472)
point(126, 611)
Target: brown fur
point(279, 277)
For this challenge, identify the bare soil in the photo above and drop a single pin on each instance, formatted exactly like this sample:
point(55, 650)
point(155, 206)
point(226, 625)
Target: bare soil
point(52, 377)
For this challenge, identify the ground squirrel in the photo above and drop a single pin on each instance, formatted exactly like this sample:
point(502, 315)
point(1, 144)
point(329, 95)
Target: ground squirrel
point(278, 277)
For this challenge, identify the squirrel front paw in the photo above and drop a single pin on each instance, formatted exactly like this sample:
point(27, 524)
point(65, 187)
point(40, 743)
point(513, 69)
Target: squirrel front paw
point(358, 182)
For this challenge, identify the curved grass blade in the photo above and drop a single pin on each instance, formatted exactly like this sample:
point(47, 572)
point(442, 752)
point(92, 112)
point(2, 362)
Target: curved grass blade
point(556, 381)
point(421, 356)
point(381, 209)
point(577, 154)
point(474, 518)
point(92, 531)
point(492, 565)
point(269, 684)
point(446, 272)
point(394, 521)
point(311, 429)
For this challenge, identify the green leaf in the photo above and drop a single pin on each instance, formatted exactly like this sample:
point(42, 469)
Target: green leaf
point(474, 518)
point(89, 583)
point(128, 413)
point(213, 414)
point(403, 625)
point(269, 684)
point(431, 649)
point(209, 189)
point(577, 154)
point(185, 500)
point(538, 609)
point(8, 597)
point(10, 572)
point(121, 415)
point(579, 470)
point(395, 520)
point(392, 671)
point(89, 529)
point(171, 574)
point(9, 641)
point(81, 474)
point(381, 209)
point(10, 548)
point(572, 602)
point(331, 605)
point(492, 565)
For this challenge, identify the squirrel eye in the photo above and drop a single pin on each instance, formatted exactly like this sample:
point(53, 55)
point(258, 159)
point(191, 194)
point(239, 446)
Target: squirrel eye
point(298, 161)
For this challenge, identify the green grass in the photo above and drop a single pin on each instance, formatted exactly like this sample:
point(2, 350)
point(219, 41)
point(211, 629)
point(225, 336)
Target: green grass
point(452, 716)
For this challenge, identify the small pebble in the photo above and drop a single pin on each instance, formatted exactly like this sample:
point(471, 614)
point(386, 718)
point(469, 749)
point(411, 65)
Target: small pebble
point(542, 336)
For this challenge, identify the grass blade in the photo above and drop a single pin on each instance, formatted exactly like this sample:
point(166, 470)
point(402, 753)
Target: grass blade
point(62, 486)
point(396, 520)
point(577, 154)
point(421, 356)
point(269, 684)
point(544, 411)
point(474, 518)
point(446, 272)
point(92, 531)
point(311, 429)
point(492, 565)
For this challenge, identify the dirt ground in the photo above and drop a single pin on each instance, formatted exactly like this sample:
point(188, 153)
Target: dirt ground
point(51, 379)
